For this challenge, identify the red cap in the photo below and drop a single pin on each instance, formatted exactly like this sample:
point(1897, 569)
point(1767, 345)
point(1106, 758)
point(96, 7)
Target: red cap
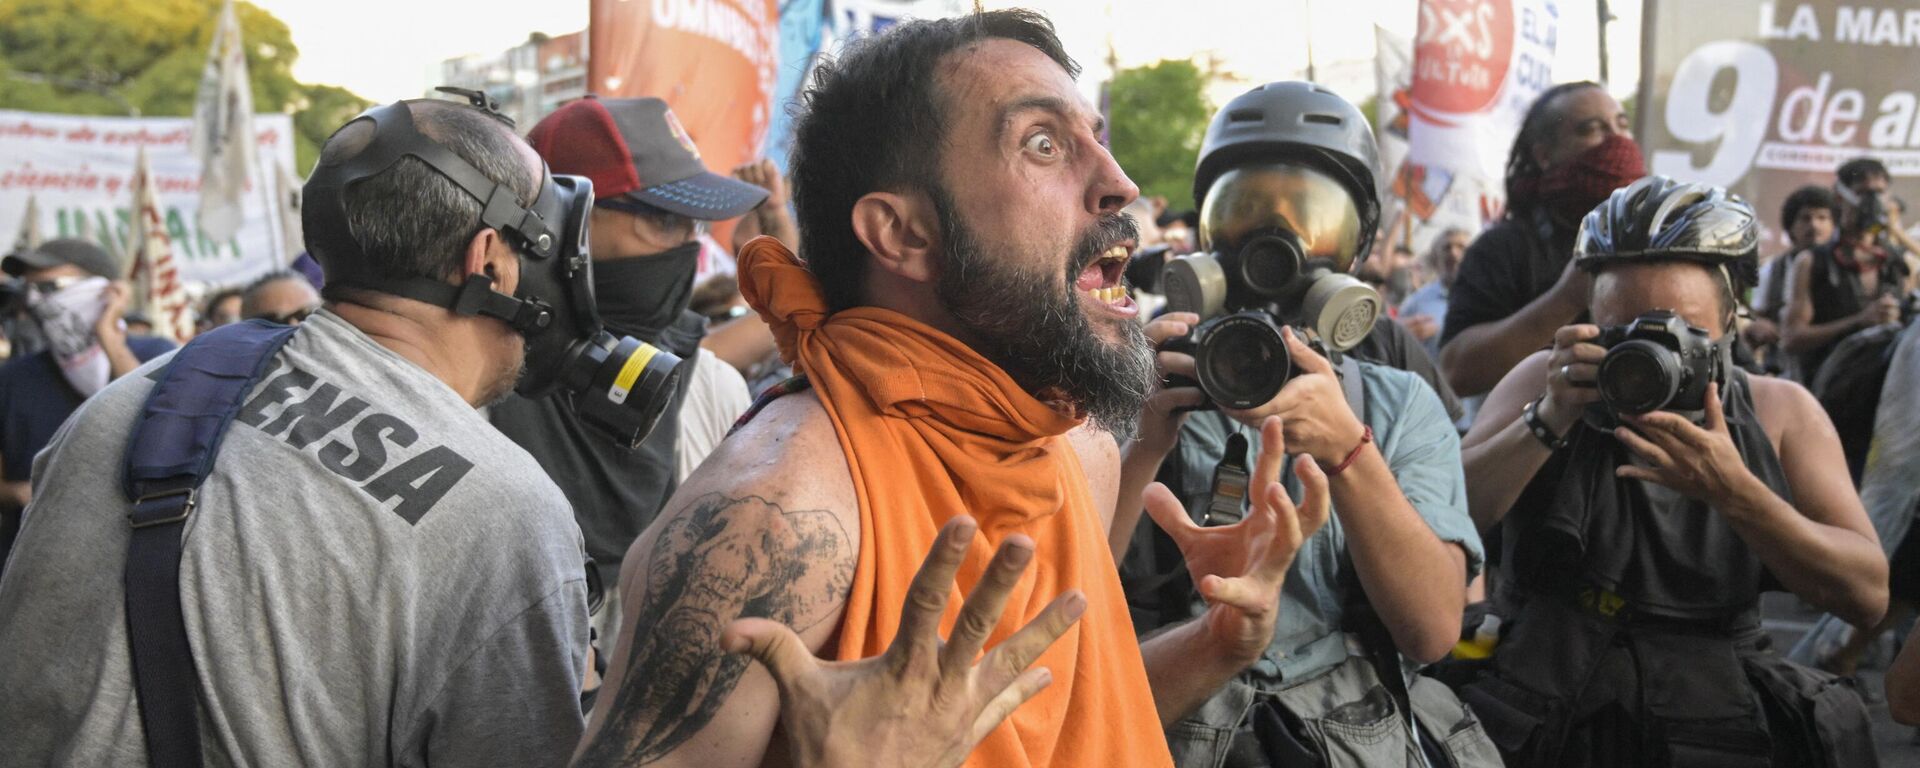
point(637, 148)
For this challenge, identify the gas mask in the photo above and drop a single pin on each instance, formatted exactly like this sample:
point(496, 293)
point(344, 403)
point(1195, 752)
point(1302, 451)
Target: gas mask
point(619, 385)
point(1869, 211)
point(1277, 244)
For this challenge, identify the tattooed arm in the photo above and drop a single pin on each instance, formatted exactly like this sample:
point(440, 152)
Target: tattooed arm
point(767, 528)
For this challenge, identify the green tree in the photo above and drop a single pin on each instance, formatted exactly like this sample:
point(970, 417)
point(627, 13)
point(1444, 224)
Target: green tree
point(88, 56)
point(1158, 115)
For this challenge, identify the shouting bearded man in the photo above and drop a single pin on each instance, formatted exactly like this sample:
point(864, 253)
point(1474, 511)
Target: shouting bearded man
point(967, 347)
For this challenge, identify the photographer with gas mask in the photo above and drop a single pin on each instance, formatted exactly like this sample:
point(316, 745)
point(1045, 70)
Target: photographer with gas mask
point(1651, 490)
point(1846, 301)
point(1854, 282)
point(653, 196)
point(1265, 322)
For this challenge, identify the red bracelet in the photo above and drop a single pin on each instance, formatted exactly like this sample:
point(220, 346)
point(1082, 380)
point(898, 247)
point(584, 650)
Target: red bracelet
point(1366, 436)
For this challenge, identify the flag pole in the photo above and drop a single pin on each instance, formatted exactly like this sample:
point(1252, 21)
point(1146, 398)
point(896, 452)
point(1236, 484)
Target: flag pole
point(270, 206)
point(1306, 11)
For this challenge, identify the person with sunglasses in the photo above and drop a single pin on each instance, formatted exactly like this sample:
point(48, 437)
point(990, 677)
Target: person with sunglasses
point(72, 297)
point(281, 296)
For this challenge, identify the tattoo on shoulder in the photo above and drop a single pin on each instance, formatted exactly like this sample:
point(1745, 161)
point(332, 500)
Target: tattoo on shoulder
point(717, 560)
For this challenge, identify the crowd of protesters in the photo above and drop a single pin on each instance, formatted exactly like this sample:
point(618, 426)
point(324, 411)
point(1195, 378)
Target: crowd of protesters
point(974, 456)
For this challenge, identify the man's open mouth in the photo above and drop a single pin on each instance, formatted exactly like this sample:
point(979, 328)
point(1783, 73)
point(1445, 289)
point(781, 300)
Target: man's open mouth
point(1102, 279)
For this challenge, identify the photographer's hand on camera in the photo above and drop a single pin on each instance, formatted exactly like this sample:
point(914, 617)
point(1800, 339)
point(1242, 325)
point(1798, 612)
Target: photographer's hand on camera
point(1572, 368)
point(1503, 451)
point(1897, 231)
point(1160, 420)
point(1165, 410)
point(1700, 462)
point(1312, 407)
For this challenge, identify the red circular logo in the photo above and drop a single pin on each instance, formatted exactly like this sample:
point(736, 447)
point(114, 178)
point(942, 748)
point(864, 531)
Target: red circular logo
point(1461, 56)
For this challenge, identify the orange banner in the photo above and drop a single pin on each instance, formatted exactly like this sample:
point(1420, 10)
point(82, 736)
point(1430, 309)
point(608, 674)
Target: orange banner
point(713, 61)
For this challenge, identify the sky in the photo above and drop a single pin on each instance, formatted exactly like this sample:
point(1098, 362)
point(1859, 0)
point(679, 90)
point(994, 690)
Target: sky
point(392, 49)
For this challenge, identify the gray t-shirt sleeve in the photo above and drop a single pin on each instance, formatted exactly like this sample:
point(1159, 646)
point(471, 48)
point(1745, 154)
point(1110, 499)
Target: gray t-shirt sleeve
point(515, 699)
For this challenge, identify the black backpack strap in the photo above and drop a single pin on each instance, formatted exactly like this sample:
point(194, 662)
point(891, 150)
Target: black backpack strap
point(1361, 620)
point(174, 442)
point(795, 383)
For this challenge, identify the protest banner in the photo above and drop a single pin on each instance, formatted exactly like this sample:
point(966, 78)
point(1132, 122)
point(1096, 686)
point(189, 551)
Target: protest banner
point(157, 289)
point(1763, 97)
point(77, 169)
point(1477, 66)
point(713, 61)
point(222, 123)
point(809, 28)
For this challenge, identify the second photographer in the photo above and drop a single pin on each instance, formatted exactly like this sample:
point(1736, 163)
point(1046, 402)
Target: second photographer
point(1651, 490)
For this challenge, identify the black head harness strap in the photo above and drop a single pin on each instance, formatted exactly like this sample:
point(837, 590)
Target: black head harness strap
point(531, 229)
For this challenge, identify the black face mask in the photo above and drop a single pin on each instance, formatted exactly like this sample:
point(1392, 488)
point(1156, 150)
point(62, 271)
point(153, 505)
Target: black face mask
point(642, 296)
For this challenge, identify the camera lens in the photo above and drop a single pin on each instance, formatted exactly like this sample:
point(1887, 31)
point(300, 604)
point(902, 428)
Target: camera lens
point(1639, 376)
point(1243, 361)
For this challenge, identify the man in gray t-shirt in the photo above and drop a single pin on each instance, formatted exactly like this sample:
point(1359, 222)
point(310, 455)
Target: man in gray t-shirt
point(373, 575)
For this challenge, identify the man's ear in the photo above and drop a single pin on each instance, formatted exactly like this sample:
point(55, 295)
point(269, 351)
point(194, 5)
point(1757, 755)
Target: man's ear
point(900, 230)
point(488, 254)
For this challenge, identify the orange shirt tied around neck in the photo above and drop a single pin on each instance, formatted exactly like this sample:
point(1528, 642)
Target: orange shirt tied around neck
point(931, 429)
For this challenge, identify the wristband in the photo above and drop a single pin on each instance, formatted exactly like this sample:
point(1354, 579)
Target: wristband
point(1540, 430)
point(1366, 436)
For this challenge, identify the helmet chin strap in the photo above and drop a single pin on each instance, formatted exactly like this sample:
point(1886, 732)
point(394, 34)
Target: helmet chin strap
point(1733, 299)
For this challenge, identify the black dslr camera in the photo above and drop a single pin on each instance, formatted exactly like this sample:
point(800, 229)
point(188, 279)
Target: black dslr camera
point(1239, 356)
point(1656, 362)
point(1240, 359)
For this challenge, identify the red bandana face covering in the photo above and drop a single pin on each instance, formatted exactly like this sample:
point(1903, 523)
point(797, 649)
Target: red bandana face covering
point(1584, 181)
point(1859, 256)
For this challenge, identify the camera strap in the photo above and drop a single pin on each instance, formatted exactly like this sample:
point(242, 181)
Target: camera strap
point(1227, 500)
point(170, 453)
point(1227, 504)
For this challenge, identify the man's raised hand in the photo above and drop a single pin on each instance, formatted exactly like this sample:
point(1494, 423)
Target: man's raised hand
point(1240, 568)
point(924, 702)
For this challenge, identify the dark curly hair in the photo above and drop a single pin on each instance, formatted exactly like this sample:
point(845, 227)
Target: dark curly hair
point(1809, 196)
point(876, 119)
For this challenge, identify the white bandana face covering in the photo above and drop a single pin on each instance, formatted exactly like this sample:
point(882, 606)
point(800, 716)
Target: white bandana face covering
point(67, 317)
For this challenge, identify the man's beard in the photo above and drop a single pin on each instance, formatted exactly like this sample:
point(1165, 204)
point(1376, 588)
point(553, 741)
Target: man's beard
point(1039, 334)
point(507, 376)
